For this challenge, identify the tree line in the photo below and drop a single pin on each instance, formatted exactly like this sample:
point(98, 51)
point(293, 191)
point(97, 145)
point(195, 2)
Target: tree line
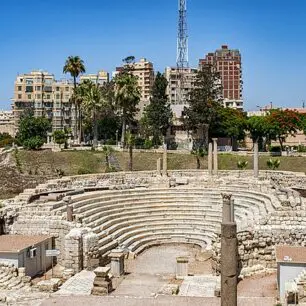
point(108, 111)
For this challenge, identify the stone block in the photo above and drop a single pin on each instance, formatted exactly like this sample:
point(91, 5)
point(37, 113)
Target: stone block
point(99, 291)
point(102, 271)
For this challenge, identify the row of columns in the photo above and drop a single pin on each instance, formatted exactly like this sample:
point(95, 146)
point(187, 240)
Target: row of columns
point(212, 159)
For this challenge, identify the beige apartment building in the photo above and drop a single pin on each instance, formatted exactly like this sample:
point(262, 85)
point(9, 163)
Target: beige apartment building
point(144, 71)
point(7, 122)
point(100, 78)
point(178, 95)
point(47, 97)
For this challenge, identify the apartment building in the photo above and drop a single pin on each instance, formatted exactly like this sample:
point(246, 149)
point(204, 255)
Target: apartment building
point(144, 71)
point(101, 77)
point(7, 122)
point(179, 87)
point(228, 63)
point(47, 97)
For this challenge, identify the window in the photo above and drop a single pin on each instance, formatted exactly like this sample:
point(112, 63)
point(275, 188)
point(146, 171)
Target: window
point(29, 88)
point(29, 97)
point(58, 96)
point(66, 88)
point(19, 88)
point(19, 96)
point(38, 96)
point(29, 81)
point(38, 88)
point(57, 88)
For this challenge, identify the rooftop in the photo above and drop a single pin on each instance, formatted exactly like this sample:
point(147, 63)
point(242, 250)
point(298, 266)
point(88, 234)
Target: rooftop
point(290, 254)
point(17, 243)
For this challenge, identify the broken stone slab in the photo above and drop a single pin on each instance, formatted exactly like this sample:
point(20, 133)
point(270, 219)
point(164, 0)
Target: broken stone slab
point(50, 285)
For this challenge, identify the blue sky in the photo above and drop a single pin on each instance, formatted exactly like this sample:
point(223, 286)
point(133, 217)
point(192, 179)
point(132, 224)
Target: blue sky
point(271, 35)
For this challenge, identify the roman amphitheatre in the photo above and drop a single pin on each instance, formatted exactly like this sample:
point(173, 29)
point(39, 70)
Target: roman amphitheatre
point(151, 220)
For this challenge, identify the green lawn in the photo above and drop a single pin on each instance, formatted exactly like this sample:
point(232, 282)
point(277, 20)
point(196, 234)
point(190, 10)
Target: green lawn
point(76, 162)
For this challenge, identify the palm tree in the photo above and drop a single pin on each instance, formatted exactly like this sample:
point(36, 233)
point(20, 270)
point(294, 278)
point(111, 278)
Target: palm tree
point(127, 97)
point(75, 66)
point(95, 104)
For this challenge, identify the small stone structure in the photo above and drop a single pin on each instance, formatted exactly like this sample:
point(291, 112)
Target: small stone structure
point(102, 282)
point(181, 267)
point(117, 263)
point(215, 149)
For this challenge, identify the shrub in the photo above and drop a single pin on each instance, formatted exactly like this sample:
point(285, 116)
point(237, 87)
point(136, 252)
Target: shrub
point(273, 163)
point(275, 149)
point(242, 164)
point(33, 143)
point(139, 142)
point(301, 148)
point(148, 144)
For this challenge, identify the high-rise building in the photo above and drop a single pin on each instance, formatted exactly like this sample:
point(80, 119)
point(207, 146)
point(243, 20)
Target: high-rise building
point(228, 63)
point(178, 96)
point(144, 71)
point(101, 77)
point(46, 97)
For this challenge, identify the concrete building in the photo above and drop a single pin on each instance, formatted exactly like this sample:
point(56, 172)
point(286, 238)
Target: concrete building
point(291, 261)
point(7, 122)
point(179, 100)
point(228, 63)
point(101, 77)
point(47, 97)
point(26, 251)
point(144, 71)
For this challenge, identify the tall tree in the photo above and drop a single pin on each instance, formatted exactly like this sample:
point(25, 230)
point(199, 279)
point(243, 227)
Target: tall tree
point(204, 103)
point(283, 123)
point(95, 105)
point(127, 95)
point(230, 123)
point(158, 113)
point(32, 132)
point(75, 66)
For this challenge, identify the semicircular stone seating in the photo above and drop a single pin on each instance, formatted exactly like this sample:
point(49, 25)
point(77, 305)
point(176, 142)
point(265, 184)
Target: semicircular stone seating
point(134, 219)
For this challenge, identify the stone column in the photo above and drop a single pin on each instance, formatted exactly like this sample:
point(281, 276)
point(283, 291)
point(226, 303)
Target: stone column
point(210, 159)
point(229, 250)
point(215, 149)
point(69, 213)
point(165, 160)
point(158, 166)
point(181, 267)
point(117, 263)
point(226, 207)
point(232, 210)
point(256, 169)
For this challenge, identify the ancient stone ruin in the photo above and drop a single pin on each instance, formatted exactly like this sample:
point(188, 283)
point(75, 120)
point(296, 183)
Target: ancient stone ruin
point(91, 216)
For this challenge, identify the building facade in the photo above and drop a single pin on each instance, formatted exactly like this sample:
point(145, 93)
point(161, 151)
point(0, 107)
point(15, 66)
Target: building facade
point(7, 122)
point(228, 63)
point(144, 71)
point(100, 78)
point(46, 97)
point(178, 94)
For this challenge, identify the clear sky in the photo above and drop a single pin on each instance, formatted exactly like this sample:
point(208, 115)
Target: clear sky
point(271, 35)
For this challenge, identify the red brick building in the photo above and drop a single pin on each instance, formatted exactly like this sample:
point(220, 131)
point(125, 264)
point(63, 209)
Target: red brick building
point(228, 63)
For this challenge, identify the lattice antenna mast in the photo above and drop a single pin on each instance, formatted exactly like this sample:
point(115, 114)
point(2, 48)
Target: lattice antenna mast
point(182, 51)
point(182, 40)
